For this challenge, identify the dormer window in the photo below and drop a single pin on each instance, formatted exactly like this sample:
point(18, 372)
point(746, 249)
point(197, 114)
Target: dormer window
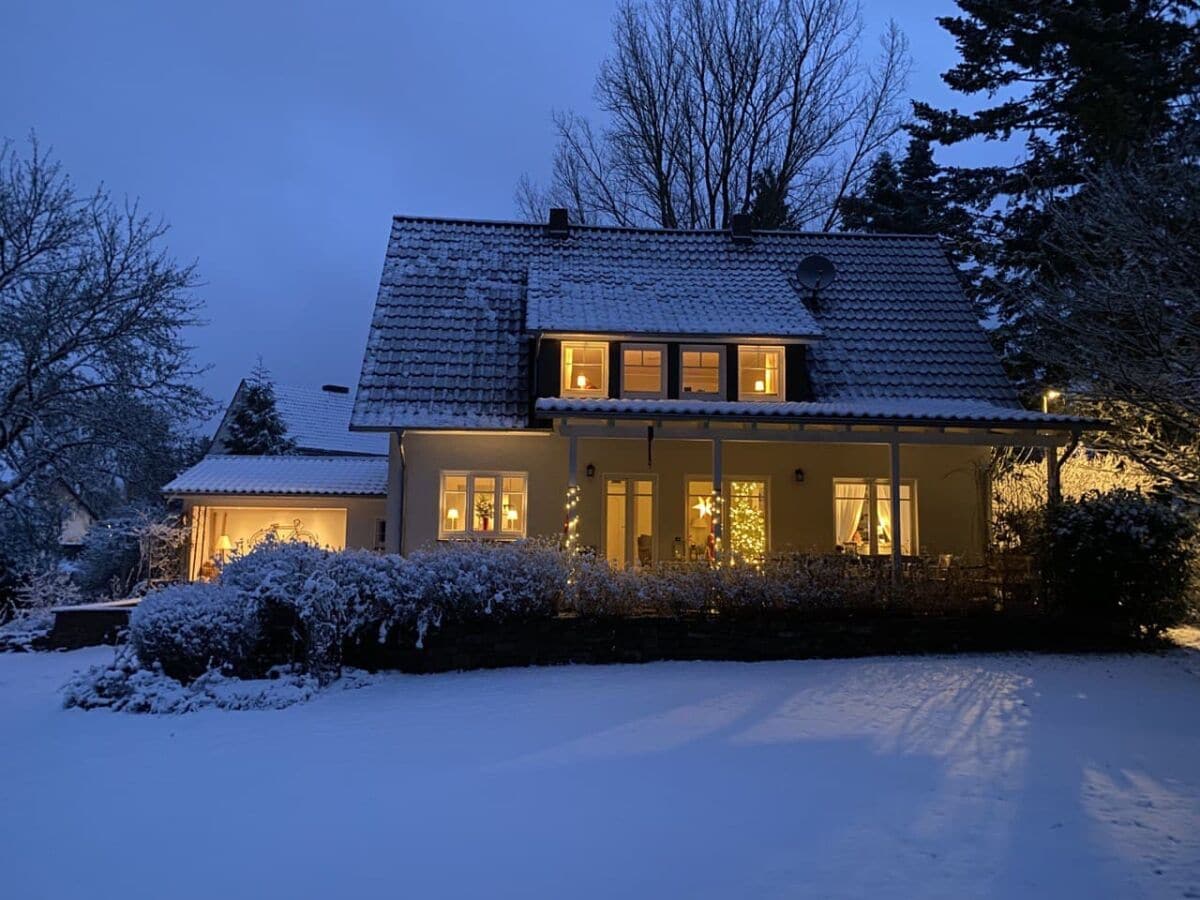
point(643, 370)
point(702, 372)
point(760, 373)
point(584, 369)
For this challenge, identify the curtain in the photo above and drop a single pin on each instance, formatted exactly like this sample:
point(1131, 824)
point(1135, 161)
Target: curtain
point(849, 507)
point(883, 513)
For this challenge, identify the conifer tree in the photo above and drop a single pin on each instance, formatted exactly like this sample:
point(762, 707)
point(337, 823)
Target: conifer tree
point(1084, 84)
point(256, 426)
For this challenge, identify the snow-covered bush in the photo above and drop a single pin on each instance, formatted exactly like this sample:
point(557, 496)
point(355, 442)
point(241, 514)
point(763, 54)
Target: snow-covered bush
point(351, 595)
point(188, 629)
point(480, 580)
point(136, 547)
point(1121, 558)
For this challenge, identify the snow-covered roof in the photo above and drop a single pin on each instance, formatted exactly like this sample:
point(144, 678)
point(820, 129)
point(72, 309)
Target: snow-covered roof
point(715, 294)
point(317, 419)
point(273, 475)
point(917, 410)
point(449, 340)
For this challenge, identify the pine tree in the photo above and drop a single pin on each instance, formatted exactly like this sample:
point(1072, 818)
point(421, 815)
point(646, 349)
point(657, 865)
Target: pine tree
point(1086, 84)
point(880, 204)
point(256, 426)
point(904, 198)
point(769, 207)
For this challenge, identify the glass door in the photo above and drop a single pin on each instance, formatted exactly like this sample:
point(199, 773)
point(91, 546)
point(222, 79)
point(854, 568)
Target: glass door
point(628, 521)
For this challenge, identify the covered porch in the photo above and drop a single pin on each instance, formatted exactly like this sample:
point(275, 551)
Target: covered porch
point(652, 481)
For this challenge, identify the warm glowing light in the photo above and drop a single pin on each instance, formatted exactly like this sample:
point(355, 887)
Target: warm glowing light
point(703, 507)
point(581, 382)
point(1053, 394)
point(452, 514)
point(510, 514)
point(760, 386)
point(224, 544)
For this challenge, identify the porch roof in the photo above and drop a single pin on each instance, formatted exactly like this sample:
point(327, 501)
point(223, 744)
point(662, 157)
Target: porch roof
point(931, 411)
point(346, 476)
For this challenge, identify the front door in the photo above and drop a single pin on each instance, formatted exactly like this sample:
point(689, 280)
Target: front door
point(628, 521)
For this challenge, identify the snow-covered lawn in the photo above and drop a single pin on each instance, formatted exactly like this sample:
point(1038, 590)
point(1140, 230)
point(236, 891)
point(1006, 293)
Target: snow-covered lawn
point(980, 776)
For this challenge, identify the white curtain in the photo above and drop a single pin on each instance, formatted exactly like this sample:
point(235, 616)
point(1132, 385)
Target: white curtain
point(849, 507)
point(883, 512)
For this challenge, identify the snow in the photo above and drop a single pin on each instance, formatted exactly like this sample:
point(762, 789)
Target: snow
point(915, 409)
point(981, 776)
point(334, 475)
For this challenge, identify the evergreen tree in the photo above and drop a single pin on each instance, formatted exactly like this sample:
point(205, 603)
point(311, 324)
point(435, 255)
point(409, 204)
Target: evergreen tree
point(905, 198)
point(1086, 82)
point(880, 204)
point(769, 207)
point(256, 426)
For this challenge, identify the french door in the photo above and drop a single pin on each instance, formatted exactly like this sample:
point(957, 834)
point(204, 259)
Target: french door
point(629, 514)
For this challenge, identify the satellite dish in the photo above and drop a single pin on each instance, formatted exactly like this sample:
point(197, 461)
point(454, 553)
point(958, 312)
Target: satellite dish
point(815, 272)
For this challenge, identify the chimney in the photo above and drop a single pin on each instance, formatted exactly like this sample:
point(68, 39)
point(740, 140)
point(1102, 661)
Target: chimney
point(335, 389)
point(739, 228)
point(558, 226)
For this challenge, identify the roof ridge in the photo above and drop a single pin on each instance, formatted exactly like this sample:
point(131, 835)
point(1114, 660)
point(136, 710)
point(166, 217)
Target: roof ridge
point(645, 229)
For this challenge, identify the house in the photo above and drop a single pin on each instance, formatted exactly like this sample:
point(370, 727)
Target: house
point(330, 492)
point(650, 395)
point(680, 395)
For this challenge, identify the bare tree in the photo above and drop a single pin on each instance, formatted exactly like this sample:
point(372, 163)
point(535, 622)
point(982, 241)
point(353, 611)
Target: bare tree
point(92, 311)
point(1119, 317)
point(701, 96)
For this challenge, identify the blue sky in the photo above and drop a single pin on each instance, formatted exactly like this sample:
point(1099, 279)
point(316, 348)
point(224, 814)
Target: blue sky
point(279, 139)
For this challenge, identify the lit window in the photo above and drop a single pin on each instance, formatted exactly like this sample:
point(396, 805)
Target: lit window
point(745, 523)
point(862, 511)
point(642, 372)
point(483, 505)
point(760, 373)
point(703, 372)
point(584, 369)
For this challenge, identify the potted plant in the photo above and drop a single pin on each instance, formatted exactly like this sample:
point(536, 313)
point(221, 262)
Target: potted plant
point(483, 510)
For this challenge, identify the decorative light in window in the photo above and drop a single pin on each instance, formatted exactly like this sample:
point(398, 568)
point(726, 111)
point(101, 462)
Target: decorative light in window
point(760, 373)
point(703, 507)
point(584, 368)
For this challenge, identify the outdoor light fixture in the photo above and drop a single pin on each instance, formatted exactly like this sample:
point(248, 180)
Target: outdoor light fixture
point(590, 471)
point(799, 476)
point(1047, 396)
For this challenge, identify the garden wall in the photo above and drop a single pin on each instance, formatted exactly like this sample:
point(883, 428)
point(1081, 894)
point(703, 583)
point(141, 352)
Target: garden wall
point(587, 640)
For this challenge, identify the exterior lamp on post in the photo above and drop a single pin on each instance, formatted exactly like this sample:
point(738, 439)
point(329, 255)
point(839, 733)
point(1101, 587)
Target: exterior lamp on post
point(1048, 395)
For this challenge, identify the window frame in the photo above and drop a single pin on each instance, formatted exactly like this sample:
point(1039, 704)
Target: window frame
point(468, 532)
point(655, 501)
point(726, 496)
point(781, 395)
point(661, 393)
point(872, 499)
point(565, 389)
point(722, 367)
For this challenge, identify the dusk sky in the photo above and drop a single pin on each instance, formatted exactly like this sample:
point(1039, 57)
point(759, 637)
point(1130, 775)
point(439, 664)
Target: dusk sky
point(279, 139)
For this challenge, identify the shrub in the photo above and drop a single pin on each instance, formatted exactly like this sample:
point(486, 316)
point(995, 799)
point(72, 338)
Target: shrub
point(188, 629)
point(472, 581)
point(1119, 558)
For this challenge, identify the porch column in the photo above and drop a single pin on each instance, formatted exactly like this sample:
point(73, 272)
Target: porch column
point(571, 523)
point(394, 507)
point(894, 472)
point(1053, 479)
point(718, 525)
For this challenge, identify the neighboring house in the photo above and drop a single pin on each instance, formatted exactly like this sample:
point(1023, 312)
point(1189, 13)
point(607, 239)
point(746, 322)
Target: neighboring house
point(330, 492)
point(670, 395)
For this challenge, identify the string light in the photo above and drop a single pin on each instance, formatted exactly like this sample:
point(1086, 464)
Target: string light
point(571, 520)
